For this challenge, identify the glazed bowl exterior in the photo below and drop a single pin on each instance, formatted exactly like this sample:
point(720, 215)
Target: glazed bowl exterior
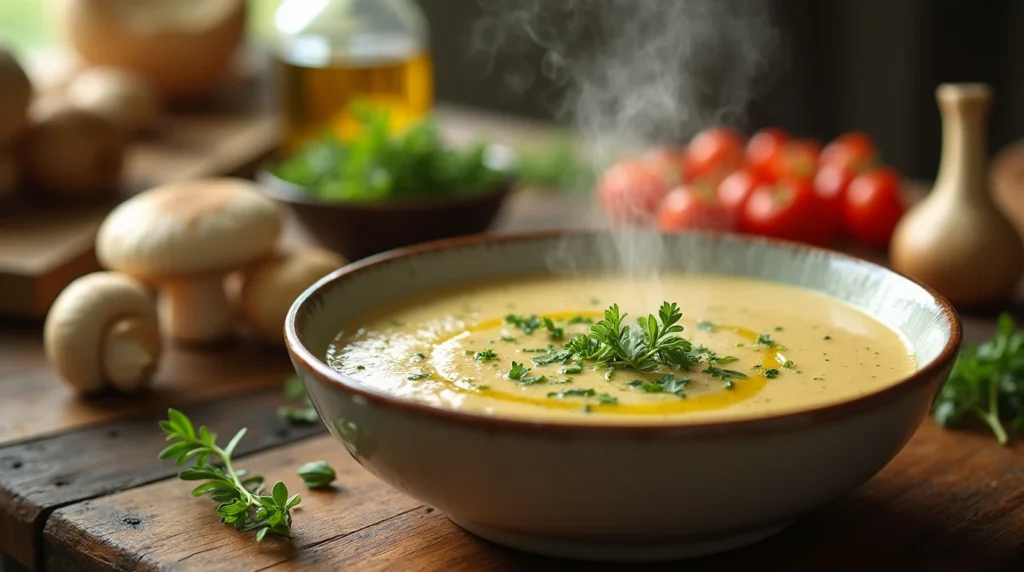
point(625, 493)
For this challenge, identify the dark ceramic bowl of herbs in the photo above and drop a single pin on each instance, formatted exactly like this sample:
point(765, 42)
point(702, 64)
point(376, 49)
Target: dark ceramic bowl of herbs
point(379, 191)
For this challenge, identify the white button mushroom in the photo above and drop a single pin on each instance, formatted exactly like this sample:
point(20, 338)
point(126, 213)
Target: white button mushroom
point(101, 331)
point(123, 97)
point(269, 289)
point(184, 237)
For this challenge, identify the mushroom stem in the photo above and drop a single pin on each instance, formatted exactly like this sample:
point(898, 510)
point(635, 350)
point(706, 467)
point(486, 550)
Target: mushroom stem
point(130, 347)
point(196, 310)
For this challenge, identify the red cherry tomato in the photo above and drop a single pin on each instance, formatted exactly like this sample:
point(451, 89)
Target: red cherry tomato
point(713, 154)
point(787, 209)
point(693, 207)
point(735, 189)
point(764, 150)
point(873, 206)
point(631, 190)
point(798, 160)
point(830, 183)
point(854, 151)
point(670, 162)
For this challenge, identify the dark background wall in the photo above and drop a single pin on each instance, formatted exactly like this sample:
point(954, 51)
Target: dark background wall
point(870, 65)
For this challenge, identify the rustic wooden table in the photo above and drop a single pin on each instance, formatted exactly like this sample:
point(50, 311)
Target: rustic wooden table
point(81, 487)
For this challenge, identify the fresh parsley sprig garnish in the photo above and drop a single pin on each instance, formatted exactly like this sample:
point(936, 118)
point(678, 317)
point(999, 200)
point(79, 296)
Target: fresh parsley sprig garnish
point(241, 504)
point(987, 382)
point(652, 342)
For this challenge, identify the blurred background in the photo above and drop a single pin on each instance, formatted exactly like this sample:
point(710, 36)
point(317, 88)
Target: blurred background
point(383, 123)
point(870, 65)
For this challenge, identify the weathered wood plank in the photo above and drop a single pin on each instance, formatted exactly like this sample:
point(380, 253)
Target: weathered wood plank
point(39, 476)
point(950, 501)
point(175, 530)
point(35, 402)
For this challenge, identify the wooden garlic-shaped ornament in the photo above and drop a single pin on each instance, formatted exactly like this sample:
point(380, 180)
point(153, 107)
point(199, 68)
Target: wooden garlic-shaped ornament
point(957, 240)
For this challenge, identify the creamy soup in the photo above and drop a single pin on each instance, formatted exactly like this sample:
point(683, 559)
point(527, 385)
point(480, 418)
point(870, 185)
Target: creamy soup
point(500, 348)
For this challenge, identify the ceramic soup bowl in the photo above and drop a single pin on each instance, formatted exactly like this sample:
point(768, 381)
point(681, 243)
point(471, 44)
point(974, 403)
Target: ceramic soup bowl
point(627, 493)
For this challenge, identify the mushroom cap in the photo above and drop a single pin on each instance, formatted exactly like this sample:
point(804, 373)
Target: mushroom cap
point(120, 95)
point(194, 227)
point(78, 322)
point(269, 290)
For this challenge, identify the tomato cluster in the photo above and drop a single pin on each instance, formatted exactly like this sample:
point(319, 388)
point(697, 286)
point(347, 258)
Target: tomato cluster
point(770, 185)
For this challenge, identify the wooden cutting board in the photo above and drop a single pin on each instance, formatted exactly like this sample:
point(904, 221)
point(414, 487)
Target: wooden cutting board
point(42, 249)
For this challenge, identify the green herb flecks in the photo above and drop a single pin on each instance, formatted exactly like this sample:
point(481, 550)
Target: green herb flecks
point(562, 357)
point(579, 320)
point(987, 383)
point(518, 373)
point(418, 376)
point(607, 399)
point(485, 355)
point(706, 326)
point(528, 324)
point(317, 474)
point(725, 375)
point(241, 503)
point(509, 339)
point(771, 373)
point(548, 349)
point(575, 392)
point(556, 332)
point(668, 383)
point(765, 340)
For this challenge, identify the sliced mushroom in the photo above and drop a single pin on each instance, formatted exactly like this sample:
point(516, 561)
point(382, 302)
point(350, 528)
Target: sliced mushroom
point(102, 331)
point(185, 237)
point(269, 289)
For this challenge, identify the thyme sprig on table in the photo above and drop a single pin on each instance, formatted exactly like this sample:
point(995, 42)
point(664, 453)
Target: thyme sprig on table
point(241, 503)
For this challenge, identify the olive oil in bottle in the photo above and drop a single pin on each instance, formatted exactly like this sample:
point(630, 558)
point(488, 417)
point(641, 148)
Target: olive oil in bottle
point(336, 52)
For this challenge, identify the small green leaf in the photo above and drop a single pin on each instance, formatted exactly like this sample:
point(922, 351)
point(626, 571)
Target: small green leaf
point(280, 493)
point(317, 474)
point(230, 449)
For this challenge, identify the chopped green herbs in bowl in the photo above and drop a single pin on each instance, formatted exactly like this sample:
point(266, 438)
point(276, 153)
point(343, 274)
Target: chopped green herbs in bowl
point(380, 166)
point(381, 191)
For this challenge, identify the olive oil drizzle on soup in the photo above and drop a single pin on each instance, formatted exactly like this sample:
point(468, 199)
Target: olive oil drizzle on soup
point(763, 348)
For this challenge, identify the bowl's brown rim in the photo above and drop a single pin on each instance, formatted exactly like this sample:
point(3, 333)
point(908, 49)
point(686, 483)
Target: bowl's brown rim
point(831, 411)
